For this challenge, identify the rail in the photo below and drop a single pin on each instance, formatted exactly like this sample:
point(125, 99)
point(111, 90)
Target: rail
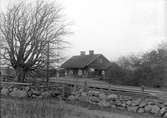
point(16, 83)
point(98, 85)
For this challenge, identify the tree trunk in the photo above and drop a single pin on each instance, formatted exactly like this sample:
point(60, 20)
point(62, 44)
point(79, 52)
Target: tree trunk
point(20, 74)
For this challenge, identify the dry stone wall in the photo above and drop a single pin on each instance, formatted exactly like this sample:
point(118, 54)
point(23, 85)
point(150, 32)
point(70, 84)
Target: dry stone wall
point(102, 99)
point(30, 91)
point(140, 105)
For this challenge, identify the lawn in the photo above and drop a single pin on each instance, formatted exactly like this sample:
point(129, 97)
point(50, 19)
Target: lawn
point(51, 108)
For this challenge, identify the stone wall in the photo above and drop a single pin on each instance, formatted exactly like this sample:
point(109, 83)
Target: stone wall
point(102, 99)
point(140, 105)
point(22, 91)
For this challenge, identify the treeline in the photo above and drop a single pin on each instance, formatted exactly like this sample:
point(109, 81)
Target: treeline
point(149, 69)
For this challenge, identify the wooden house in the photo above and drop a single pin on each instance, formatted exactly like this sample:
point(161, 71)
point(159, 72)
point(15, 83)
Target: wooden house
point(90, 65)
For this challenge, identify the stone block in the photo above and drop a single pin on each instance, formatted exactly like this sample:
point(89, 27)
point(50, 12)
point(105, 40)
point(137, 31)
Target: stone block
point(112, 96)
point(155, 109)
point(140, 110)
point(4, 91)
point(132, 108)
point(18, 93)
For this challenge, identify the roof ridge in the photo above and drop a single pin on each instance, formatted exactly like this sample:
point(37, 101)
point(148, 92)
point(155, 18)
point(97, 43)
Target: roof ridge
point(87, 55)
point(79, 61)
point(97, 55)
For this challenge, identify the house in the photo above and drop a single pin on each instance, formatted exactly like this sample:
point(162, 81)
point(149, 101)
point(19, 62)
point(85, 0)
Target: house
point(90, 65)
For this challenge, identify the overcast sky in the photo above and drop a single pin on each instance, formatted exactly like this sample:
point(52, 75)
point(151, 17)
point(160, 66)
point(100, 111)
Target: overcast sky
point(114, 27)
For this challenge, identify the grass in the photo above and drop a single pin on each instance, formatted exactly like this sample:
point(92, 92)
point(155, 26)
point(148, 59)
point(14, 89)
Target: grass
point(22, 108)
point(37, 108)
point(51, 108)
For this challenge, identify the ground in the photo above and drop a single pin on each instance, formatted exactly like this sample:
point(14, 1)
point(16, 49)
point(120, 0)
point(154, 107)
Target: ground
point(51, 108)
point(161, 93)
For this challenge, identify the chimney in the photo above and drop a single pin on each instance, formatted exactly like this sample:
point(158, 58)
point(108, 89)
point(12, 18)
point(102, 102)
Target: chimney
point(82, 52)
point(91, 52)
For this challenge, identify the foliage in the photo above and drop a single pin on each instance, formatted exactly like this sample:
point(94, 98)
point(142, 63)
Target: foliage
point(26, 31)
point(150, 69)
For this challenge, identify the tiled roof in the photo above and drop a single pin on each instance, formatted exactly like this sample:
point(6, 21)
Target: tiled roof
point(80, 61)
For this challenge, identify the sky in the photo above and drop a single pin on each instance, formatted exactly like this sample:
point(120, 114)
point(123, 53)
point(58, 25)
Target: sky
point(113, 28)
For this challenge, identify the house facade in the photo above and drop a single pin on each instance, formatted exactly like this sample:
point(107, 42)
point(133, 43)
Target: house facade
point(90, 65)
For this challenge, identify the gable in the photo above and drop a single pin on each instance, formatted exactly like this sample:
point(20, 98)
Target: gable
point(100, 63)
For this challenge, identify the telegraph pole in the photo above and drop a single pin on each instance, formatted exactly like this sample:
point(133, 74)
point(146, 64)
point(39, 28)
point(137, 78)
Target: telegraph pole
point(0, 64)
point(47, 64)
point(1, 59)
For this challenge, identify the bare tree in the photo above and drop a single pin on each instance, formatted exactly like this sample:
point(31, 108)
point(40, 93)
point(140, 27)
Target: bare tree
point(26, 29)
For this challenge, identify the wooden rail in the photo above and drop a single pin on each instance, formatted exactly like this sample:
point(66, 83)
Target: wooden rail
point(106, 86)
point(15, 83)
point(98, 85)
